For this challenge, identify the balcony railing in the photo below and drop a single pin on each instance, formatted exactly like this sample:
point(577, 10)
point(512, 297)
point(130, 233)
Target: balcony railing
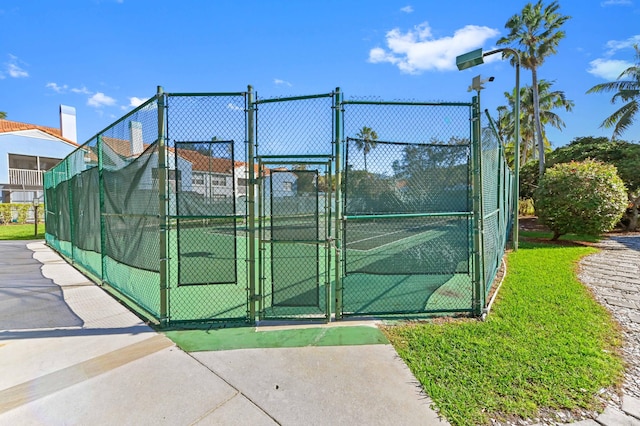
point(25, 177)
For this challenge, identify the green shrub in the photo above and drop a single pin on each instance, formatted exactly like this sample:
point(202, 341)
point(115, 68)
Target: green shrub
point(23, 210)
point(17, 212)
point(5, 213)
point(580, 197)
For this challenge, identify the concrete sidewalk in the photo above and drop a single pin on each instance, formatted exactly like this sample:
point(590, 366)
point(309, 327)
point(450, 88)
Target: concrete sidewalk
point(71, 354)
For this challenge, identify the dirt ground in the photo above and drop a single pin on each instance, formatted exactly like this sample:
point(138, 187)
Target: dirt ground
point(530, 223)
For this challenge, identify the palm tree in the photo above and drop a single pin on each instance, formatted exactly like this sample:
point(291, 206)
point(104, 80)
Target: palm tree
point(627, 90)
point(548, 101)
point(3, 115)
point(536, 33)
point(366, 141)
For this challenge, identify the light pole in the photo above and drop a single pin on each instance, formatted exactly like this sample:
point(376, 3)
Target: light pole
point(36, 203)
point(476, 57)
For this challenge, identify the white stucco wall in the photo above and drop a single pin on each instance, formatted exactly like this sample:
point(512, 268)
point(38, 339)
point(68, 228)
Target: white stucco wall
point(30, 142)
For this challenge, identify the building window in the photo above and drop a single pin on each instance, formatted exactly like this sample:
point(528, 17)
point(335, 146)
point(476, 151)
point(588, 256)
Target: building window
point(287, 186)
point(217, 180)
point(171, 175)
point(31, 162)
point(23, 162)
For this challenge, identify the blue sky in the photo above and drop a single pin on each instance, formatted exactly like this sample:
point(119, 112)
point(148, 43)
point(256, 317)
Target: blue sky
point(104, 57)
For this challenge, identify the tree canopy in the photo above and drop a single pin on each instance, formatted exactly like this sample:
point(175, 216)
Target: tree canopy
point(549, 100)
point(622, 154)
point(535, 33)
point(625, 156)
point(366, 141)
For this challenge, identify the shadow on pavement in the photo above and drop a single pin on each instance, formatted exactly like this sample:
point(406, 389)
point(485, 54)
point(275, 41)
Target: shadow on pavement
point(629, 241)
point(28, 300)
point(72, 332)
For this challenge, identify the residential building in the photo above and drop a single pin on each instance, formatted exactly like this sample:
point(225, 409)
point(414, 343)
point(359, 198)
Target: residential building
point(28, 150)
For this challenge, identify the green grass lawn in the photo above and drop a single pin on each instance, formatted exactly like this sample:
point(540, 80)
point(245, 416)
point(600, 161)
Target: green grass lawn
point(21, 232)
point(546, 345)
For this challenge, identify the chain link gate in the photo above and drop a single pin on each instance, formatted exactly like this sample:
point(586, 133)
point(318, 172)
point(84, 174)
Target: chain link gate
point(294, 157)
point(294, 234)
point(408, 209)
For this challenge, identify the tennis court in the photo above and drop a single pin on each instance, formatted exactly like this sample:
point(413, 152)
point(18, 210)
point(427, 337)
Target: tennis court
point(223, 207)
point(405, 265)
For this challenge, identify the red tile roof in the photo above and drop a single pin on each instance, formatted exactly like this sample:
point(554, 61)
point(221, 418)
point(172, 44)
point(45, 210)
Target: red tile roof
point(14, 126)
point(205, 163)
point(121, 147)
point(200, 162)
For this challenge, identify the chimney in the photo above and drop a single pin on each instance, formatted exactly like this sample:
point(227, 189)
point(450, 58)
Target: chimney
point(68, 123)
point(135, 137)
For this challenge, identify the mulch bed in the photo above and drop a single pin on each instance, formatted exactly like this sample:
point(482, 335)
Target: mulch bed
point(530, 223)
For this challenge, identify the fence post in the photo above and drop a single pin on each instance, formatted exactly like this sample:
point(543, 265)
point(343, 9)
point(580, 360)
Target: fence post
point(71, 221)
point(162, 200)
point(101, 204)
point(476, 184)
point(251, 203)
point(339, 214)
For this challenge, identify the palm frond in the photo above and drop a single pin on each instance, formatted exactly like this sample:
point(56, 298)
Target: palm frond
point(625, 91)
point(624, 118)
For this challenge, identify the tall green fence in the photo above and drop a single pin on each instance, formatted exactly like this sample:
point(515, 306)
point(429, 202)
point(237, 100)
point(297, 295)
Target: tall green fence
point(229, 207)
point(408, 212)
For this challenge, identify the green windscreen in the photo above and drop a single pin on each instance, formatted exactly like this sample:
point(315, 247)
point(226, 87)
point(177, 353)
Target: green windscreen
point(132, 225)
point(86, 205)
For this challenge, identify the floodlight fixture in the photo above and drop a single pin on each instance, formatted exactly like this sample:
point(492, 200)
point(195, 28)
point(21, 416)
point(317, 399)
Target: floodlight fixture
point(470, 59)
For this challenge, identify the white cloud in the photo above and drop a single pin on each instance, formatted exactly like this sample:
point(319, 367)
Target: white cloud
point(56, 88)
point(417, 50)
point(100, 99)
point(82, 90)
point(234, 107)
point(279, 82)
point(63, 89)
point(135, 102)
point(609, 69)
point(16, 72)
point(616, 3)
point(406, 9)
point(615, 45)
point(14, 69)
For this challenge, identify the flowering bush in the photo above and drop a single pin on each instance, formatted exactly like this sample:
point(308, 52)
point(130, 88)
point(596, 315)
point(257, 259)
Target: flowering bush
point(585, 197)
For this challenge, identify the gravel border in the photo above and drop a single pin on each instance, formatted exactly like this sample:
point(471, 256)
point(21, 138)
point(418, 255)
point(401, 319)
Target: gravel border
point(613, 276)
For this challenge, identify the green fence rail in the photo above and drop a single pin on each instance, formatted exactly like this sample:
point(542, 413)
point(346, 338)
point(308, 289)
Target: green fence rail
point(228, 207)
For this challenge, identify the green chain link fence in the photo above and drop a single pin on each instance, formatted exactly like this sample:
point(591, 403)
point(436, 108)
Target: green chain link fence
point(228, 207)
point(407, 232)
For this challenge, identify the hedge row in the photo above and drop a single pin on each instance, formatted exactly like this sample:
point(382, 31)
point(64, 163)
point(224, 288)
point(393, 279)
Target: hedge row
point(18, 213)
